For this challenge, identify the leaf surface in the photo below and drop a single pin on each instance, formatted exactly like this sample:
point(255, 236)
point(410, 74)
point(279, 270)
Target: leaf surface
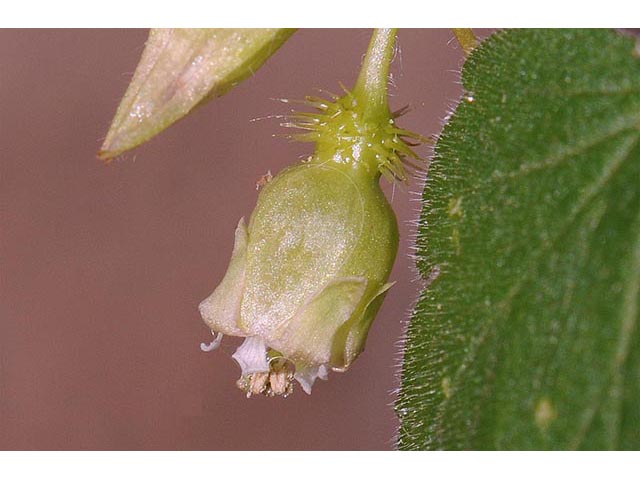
point(528, 336)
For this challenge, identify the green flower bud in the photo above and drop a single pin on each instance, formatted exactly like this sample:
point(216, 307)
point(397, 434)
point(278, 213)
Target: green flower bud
point(180, 69)
point(309, 272)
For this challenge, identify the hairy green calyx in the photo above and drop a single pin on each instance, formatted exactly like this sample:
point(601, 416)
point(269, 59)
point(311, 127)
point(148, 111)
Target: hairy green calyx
point(358, 129)
point(345, 134)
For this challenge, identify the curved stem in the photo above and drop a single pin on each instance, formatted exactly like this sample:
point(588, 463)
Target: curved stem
point(371, 87)
point(466, 38)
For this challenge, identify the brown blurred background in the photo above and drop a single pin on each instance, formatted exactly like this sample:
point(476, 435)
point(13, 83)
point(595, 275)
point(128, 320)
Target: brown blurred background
point(102, 267)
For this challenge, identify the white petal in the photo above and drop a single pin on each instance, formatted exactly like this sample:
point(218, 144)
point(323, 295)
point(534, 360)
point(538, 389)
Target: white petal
point(323, 372)
point(252, 356)
point(210, 347)
point(306, 377)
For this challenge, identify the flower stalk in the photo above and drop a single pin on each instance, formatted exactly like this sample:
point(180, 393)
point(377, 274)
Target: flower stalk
point(371, 86)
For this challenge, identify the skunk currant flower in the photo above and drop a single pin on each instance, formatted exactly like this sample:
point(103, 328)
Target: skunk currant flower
point(310, 270)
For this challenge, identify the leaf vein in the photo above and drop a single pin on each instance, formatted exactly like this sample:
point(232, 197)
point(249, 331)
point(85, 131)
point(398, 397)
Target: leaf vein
point(628, 326)
point(553, 161)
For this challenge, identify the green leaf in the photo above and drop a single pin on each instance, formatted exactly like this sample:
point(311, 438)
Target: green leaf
point(180, 69)
point(528, 336)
